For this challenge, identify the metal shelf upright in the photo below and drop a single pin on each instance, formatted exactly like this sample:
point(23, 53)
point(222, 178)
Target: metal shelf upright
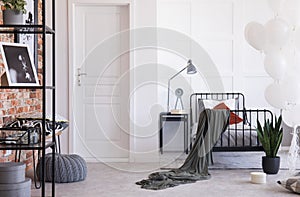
point(44, 30)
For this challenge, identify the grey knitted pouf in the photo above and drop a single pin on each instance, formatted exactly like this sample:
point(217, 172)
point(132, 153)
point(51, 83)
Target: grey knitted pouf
point(68, 168)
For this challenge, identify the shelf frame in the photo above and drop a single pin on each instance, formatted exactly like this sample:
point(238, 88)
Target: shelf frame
point(37, 146)
point(43, 30)
point(26, 29)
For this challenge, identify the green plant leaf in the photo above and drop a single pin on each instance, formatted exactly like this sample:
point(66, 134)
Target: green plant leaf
point(18, 5)
point(270, 136)
point(279, 140)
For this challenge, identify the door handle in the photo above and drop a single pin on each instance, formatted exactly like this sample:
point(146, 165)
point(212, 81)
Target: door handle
point(78, 75)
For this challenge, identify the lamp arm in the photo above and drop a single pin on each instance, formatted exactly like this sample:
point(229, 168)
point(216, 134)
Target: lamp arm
point(169, 81)
point(178, 73)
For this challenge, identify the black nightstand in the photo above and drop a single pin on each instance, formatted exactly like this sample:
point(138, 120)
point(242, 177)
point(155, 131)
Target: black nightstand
point(167, 116)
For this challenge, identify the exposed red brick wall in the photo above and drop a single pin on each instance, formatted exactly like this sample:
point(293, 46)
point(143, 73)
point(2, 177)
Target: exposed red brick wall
point(17, 103)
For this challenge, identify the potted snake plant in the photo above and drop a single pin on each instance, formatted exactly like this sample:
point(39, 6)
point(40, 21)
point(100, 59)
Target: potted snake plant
point(13, 11)
point(270, 136)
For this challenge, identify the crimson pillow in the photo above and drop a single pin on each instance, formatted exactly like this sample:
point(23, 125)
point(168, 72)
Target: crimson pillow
point(234, 119)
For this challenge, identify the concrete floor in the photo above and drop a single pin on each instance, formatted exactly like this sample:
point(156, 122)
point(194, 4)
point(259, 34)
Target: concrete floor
point(118, 179)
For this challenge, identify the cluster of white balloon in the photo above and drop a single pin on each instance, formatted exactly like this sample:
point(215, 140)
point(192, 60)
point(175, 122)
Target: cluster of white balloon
point(279, 40)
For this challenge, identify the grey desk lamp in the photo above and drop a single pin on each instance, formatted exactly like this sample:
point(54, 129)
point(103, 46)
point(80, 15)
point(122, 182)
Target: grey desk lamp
point(191, 69)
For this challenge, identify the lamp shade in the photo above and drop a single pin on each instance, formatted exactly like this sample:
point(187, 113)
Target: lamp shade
point(191, 69)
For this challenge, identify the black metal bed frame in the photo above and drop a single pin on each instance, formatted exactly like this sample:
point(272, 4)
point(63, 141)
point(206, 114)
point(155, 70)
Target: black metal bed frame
point(249, 116)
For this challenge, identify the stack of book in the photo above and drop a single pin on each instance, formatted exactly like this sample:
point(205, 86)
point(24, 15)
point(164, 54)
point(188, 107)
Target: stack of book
point(178, 111)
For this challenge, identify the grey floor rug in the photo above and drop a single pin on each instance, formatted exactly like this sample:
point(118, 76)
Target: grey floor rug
point(236, 160)
point(229, 160)
point(248, 160)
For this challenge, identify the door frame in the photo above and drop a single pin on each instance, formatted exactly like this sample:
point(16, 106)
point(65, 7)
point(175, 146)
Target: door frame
point(71, 7)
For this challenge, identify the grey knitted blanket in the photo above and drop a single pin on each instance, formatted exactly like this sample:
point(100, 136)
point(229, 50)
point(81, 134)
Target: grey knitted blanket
point(211, 125)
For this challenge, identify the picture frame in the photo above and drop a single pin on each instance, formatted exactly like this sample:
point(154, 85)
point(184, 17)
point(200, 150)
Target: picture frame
point(18, 63)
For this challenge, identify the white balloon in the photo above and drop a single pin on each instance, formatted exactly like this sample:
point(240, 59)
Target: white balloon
point(276, 5)
point(277, 32)
point(297, 38)
point(292, 117)
point(275, 65)
point(291, 89)
point(274, 96)
point(255, 35)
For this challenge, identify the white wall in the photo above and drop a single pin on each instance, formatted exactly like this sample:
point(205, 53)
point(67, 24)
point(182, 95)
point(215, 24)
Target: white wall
point(62, 63)
point(144, 128)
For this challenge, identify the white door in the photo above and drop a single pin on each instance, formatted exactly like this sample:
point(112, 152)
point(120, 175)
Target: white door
point(100, 92)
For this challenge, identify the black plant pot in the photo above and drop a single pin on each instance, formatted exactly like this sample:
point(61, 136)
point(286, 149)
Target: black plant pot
point(270, 165)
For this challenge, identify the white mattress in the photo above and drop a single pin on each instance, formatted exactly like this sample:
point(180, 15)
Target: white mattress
point(236, 138)
point(235, 133)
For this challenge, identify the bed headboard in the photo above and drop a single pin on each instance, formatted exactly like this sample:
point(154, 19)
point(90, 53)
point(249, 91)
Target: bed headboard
point(196, 98)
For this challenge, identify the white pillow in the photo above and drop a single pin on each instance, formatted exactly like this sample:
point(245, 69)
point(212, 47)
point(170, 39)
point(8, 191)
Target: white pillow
point(240, 125)
point(209, 104)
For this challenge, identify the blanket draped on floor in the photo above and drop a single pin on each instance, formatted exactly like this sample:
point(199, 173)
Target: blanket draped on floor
point(211, 125)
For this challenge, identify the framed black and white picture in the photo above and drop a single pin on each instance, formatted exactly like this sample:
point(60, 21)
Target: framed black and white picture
point(18, 63)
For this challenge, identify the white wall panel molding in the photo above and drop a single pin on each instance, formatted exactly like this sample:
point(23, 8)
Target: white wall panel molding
point(212, 16)
point(218, 26)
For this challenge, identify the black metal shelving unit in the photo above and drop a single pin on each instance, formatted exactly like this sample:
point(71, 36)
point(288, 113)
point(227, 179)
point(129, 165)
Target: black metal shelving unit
point(44, 30)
